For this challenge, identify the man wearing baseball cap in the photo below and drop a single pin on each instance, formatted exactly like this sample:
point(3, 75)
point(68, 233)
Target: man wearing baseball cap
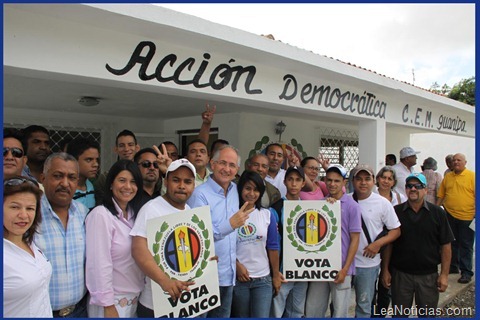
point(377, 213)
point(180, 182)
point(319, 292)
point(408, 159)
point(410, 263)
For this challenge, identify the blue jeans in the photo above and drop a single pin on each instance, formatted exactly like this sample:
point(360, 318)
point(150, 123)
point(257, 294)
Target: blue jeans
point(252, 299)
point(224, 309)
point(462, 247)
point(318, 298)
point(290, 301)
point(364, 282)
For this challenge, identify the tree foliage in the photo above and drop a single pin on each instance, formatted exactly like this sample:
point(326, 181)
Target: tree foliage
point(464, 91)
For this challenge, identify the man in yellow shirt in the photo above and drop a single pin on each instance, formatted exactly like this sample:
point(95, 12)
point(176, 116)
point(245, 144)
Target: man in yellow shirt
point(457, 194)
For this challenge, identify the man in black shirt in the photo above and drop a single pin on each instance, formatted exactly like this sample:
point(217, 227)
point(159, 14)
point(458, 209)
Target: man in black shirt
point(410, 263)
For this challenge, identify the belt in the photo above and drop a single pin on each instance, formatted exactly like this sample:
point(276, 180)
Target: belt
point(68, 310)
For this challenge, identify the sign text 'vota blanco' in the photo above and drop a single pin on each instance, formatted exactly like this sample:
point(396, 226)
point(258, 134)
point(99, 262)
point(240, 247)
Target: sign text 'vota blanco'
point(312, 246)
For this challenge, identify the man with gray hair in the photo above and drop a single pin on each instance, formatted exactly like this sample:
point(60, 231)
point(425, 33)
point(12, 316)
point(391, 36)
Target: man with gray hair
point(220, 193)
point(61, 236)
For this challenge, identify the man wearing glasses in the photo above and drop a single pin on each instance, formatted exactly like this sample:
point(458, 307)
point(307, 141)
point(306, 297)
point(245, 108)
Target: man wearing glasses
point(14, 158)
point(146, 159)
point(413, 258)
point(220, 193)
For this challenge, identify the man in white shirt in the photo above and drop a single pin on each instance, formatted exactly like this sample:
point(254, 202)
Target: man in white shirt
point(408, 159)
point(180, 182)
point(276, 175)
point(377, 212)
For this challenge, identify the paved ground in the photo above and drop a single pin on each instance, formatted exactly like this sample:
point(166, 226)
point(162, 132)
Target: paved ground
point(447, 298)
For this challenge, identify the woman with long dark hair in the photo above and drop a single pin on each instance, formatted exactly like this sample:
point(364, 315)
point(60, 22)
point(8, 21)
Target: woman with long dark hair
point(257, 253)
point(26, 271)
point(113, 278)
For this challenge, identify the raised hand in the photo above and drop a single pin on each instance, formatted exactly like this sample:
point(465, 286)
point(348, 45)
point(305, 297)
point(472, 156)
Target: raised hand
point(324, 162)
point(207, 115)
point(239, 218)
point(163, 159)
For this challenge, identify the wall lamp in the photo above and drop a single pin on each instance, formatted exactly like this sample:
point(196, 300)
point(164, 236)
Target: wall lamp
point(279, 129)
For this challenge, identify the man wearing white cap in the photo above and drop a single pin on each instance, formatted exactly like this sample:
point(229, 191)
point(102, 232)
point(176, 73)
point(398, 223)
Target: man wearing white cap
point(180, 182)
point(408, 159)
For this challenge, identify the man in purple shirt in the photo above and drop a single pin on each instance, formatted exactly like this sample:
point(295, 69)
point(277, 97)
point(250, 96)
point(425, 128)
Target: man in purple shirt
point(319, 292)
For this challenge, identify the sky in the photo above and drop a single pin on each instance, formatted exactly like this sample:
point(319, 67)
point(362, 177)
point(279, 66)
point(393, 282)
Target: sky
point(416, 43)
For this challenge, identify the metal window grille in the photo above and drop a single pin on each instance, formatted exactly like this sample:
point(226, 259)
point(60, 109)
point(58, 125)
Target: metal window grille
point(57, 135)
point(340, 146)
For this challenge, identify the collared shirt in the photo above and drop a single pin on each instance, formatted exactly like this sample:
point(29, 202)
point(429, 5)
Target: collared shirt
point(278, 181)
point(402, 173)
point(86, 197)
point(422, 233)
point(110, 267)
point(66, 251)
point(434, 180)
point(458, 192)
point(25, 282)
point(199, 180)
point(222, 208)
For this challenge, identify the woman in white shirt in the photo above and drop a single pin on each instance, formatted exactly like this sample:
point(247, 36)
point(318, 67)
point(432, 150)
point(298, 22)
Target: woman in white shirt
point(386, 181)
point(26, 271)
point(257, 253)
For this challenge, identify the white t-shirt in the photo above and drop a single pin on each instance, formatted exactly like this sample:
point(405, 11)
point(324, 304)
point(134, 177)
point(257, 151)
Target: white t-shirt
point(278, 181)
point(376, 212)
point(252, 242)
point(25, 282)
point(154, 208)
point(402, 173)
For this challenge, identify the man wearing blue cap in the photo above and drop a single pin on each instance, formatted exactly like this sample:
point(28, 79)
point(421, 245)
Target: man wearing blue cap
point(413, 258)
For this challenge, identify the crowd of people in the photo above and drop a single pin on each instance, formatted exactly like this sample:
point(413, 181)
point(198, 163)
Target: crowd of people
point(75, 239)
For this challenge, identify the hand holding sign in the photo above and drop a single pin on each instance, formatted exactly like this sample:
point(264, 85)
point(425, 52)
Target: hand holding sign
point(239, 218)
point(175, 287)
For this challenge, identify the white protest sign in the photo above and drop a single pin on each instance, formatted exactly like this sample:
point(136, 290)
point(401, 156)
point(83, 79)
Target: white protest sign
point(182, 245)
point(312, 246)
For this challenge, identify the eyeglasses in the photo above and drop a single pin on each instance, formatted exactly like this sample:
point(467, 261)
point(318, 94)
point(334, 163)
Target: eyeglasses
point(16, 152)
point(418, 186)
point(313, 168)
point(18, 181)
point(147, 164)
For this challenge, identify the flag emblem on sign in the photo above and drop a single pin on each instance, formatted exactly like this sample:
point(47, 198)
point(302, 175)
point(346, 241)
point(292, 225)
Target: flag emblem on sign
point(182, 249)
point(311, 227)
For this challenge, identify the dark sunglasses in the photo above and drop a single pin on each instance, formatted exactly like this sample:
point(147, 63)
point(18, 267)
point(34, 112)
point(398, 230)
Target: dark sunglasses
point(18, 181)
point(16, 152)
point(418, 186)
point(147, 164)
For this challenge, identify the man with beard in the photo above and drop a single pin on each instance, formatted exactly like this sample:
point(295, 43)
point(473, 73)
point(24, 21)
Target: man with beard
point(276, 175)
point(36, 142)
point(61, 236)
point(410, 263)
point(180, 182)
point(146, 159)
